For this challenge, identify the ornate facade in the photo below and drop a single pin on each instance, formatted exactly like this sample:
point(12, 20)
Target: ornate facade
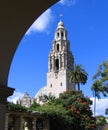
point(60, 62)
point(26, 100)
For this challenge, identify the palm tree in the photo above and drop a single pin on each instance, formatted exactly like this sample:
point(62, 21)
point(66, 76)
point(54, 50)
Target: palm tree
point(100, 84)
point(78, 75)
point(102, 72)
point(96, 88)
point(49, 98)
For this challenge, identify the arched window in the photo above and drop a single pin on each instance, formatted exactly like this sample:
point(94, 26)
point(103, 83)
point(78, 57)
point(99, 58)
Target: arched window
point(57, 47)
point(50, 66)
point(62, 35)
point(51, 85)
point(61, 84)
point(57, 64)
point(57, 34)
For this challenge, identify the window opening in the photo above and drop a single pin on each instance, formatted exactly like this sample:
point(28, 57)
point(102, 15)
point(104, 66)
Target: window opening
point(58, 35)
point(61, 64)
point(50, 66)
point(39, 124)
point(57, 64)
point(57, 47)
point(62, 34)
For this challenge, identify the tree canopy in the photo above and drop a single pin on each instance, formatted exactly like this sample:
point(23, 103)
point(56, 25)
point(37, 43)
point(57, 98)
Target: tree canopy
point(100, 85)
point(78, 75)
point(101, 77)
point(70, 111)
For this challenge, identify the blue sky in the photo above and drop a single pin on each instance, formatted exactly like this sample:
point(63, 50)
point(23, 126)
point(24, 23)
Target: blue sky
point(87, 24)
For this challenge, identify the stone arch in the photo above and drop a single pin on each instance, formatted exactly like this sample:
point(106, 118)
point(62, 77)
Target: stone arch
point(15, 18)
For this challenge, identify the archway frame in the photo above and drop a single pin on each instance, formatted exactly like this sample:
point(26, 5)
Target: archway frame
point(15, 18)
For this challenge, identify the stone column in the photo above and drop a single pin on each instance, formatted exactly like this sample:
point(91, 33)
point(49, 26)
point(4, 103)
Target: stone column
point(63, 60)
point(49, 64)
point(34, 124)
point(59, 62)
point(21, 123)
point(53, 63)
point(2, 116)
point(48, 124)
point(4, 93)
point(6, 121)
point(29, 123)
point(18, 122)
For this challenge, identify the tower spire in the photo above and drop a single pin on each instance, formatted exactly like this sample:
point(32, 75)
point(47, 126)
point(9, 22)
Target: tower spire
point(60, 61)
point(61, 15)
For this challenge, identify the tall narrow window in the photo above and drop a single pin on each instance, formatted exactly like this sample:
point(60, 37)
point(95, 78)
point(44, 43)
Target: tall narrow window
point(51, 85)
point(62, 34)
point(58, 35)
point(61, 84)
point(57, 64)
point(57, 47)
point(50, 66)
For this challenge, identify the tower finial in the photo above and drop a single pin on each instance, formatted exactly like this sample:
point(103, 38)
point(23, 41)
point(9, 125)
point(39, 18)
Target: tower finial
point(61, 15)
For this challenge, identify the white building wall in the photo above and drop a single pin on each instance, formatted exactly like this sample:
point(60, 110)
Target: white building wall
point(56, 83)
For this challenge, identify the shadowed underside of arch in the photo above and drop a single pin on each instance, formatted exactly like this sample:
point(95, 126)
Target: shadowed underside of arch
point(16, 16)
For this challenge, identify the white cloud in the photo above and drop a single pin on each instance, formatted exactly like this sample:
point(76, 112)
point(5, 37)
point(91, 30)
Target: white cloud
point(68, 2)
point(15, 97)
point(42, 23)
point(101, 105)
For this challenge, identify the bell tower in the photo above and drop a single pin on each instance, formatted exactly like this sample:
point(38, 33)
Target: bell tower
point(60, 61)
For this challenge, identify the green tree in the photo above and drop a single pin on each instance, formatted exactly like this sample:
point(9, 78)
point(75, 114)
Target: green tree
point(78, 75)
point(106, 111)
point(16, 107)
point(102, 77)
point(34, 105)
point(96, 88)
point(100, 122)
point(102, 72)
point(70, 111)
point(100, 85)
point(79, 107)
point(49, 98)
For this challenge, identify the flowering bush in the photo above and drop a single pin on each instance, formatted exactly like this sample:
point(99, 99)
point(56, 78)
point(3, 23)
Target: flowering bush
point(79, 107)
point(71, 111)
